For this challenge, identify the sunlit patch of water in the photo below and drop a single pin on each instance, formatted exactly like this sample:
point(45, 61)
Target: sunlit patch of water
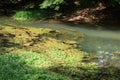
point(104, 58)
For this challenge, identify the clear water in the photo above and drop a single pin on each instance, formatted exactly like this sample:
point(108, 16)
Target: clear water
point(97, 40)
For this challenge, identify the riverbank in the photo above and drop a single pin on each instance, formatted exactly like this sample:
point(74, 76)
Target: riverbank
point(97, 15)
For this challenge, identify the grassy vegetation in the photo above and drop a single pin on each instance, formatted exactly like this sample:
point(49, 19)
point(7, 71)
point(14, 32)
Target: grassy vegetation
point(33, 14)
point(21, 67)
point(28, 53)
point(34, 66)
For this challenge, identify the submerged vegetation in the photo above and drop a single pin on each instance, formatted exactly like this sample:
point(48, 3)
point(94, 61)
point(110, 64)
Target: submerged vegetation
point(44, 54)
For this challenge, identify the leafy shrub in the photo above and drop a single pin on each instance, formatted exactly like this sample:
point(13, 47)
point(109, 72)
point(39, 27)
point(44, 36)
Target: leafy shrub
point(54, 4)
point(33, 14)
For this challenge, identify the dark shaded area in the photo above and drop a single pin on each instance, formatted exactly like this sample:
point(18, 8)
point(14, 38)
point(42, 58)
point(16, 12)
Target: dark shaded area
point(88, 73)
point(107, 18)
point(110, 16)
point(8, 7)
point(5, 40)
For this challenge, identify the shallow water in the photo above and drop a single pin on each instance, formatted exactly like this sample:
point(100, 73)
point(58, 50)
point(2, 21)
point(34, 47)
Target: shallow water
point(97, 40)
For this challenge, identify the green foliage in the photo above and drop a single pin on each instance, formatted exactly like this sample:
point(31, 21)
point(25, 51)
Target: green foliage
point(33, 14)
point(55, 4)
point(60, 57)
point(16, 67)
point(34, 66)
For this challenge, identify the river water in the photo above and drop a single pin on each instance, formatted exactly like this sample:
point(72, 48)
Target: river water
point(98, 40)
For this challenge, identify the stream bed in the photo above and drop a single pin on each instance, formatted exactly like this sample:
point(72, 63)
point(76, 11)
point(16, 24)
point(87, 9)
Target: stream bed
point(98, 40)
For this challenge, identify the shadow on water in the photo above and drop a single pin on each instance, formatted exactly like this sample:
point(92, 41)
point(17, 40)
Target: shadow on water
point(87, 73)
point(103, 26)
